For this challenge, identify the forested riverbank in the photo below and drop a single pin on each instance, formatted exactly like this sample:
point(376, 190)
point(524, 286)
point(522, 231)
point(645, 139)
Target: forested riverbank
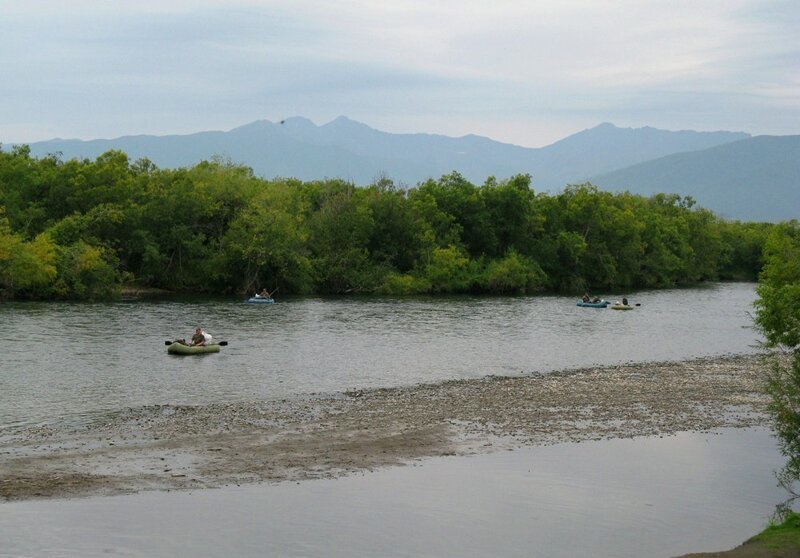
point(83, 229)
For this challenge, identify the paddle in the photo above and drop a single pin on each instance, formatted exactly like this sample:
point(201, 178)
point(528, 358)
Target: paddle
point(220, 343)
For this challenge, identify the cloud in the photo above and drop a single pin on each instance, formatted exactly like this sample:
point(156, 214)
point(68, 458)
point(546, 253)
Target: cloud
point(91, 67)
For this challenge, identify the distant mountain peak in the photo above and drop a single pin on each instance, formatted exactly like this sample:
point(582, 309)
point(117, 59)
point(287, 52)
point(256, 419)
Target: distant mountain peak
point(255, 125)
point(345, 148)
point(297, 122)
point(345, 123)
point(610, 127)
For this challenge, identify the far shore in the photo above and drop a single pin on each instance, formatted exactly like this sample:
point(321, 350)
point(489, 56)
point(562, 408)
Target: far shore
point(170, 447)
point(133, 291)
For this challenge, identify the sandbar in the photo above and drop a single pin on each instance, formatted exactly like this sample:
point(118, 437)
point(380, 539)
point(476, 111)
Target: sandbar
point(175, 447)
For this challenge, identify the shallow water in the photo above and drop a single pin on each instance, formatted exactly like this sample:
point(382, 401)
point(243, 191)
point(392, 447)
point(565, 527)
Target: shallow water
point(72, 361)
point(640, 498)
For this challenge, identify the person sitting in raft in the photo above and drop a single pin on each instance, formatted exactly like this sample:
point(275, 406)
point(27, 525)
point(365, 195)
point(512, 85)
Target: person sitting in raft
point(624, 301)
point(264, 294)
point(198, 339)
point(586, 297)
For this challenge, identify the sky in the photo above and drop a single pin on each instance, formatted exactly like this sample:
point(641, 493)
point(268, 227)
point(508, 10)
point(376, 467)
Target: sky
point(522, 72)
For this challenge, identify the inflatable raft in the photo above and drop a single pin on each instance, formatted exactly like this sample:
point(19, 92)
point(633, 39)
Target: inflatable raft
point(601, 304)
point(181, 349)
point(260, 300)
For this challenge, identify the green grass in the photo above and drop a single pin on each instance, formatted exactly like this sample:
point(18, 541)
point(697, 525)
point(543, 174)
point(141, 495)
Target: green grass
point(785, 535)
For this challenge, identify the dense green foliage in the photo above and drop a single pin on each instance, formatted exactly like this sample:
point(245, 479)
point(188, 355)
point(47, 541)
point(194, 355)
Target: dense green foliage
point(81, 229)
point(778, 317)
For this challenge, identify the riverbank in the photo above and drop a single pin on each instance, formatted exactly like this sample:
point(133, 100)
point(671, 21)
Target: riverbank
point(170, 447)
point(776, 541)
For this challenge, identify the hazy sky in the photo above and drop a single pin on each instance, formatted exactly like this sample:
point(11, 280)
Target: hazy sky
point(524, 72)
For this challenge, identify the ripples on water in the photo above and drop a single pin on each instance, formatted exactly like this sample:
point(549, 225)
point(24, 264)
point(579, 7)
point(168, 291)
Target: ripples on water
point(73, 360)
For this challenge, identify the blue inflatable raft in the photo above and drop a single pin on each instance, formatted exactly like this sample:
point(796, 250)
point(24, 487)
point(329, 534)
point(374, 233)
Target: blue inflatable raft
point(601, 304)
point(260, 300)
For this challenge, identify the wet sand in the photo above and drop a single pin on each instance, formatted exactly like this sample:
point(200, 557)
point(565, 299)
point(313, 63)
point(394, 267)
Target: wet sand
point(191, 447)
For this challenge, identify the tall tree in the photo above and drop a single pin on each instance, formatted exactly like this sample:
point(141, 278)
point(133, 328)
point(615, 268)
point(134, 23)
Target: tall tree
point(778, 317)
point(24, 266)
point(265, 246)
point(339, 243)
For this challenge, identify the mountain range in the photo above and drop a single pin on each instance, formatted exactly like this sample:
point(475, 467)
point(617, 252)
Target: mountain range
point(731, 173)
point(756, 179)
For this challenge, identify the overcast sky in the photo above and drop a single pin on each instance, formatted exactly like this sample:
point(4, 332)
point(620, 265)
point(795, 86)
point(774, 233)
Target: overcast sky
point(523, 72)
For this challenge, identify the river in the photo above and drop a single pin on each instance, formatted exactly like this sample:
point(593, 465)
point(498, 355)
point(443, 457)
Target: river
point(74, 361)
point(71, 362)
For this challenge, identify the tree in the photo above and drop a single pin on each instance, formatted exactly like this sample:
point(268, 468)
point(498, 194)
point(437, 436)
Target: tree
point(743, 249)
point(778, 318)
point(510, 206)
point(24, 266)
point(339, 238)
point(462, 210)
point(175, 250)
point(215, 227)
point(397, 234)
point(86, 272)
point(513, 274)
point(448, 271)
point(265, 245)
point(667, 254)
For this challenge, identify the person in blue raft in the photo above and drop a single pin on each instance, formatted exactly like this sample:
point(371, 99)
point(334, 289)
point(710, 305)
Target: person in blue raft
point(264, 294)
point(587, 298)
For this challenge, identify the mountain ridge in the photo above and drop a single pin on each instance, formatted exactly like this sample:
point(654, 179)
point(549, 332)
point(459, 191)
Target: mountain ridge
point(643, 160)
point(411, 157)
point(757, 178)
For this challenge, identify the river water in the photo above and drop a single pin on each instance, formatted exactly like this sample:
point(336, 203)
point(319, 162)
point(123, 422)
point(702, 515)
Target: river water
point(640, 498)
point(72, 361)
point(647, 497)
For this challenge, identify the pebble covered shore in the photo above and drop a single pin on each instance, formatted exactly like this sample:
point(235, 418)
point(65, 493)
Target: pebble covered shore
point(169, 447)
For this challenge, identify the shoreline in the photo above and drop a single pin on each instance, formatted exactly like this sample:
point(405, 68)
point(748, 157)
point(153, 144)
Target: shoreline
point(169, 447)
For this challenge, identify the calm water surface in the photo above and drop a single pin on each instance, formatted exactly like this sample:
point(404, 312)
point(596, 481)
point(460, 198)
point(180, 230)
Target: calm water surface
point(641, 498)
point(70, 361)
point(647, 497)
